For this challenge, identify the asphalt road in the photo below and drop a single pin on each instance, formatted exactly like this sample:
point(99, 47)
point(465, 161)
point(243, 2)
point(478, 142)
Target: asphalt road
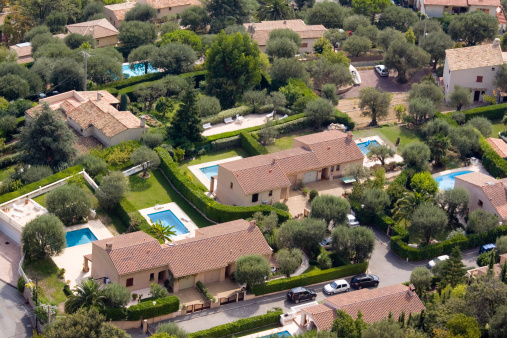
point(15, 316)
point(385, 264)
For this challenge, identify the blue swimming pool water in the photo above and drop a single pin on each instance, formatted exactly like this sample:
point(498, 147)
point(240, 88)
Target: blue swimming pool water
point(279, 334)
point(210, 171)
point(138, 70)
point(169, 219)
point(446, 182)
point(364, 146)
point(79, 237)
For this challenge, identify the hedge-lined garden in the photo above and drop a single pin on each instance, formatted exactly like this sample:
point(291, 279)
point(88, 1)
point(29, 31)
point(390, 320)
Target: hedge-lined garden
point(250, 144)
point(313, 277)
point(240, 325)
point(144, 310)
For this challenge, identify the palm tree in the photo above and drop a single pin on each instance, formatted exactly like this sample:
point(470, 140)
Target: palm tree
point(162, 232)
point(88, 294)
point(275, 10)
point(405, 207)
point(438, 146)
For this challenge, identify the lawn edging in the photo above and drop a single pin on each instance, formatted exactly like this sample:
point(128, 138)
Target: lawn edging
point(313, 277)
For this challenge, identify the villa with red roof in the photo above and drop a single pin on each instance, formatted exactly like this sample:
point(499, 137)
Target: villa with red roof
point(486, 193)
point(136, 259)
point(375, 305)
point(104, 33)
point(267, 178)
point(94, 113)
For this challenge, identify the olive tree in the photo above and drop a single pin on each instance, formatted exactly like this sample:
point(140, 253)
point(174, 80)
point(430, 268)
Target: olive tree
point(380, 153)
point(406, 58)
point(289, 260)
point(42, 237)
point(302, 234)
point(482, 124)
point(319, 111)
point(374, 103)
point(421, 279)
point(416, 155)
point(355, 45)
point(481, 221)
point(251, 270)
point(146, 157)
point(112, 189)
point(208, 105)
point(454, 202)
point(461, 97)
point(330, 208)
point(428, 220)
point(69, 203)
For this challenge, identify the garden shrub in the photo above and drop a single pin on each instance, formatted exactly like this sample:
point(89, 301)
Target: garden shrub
point(494, 112)
point(250, 144)
point(145, 310)
point(313, 277)
point(21, 284)
point(7, 161)
point(225, 143)
point(129, 214)
point(298, 94)
point(115, 313)
point(313, 193)
point(240, 325)
point(211, 208)
point(205, 292)
point(446, 117)
point(66, 290)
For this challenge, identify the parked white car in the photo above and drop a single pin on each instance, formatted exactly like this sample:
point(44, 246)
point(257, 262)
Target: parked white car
point(326, 243)
point(382, 70)
point(337, 286)
point(352, 221)
point(434, 262)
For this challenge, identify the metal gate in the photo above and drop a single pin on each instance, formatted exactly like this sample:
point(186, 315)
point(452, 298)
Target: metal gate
point(197, 307)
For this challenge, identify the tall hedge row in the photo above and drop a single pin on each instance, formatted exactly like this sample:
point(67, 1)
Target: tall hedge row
point(493, 162)
point(240, 325)
point(207, 205)
point(401, 248)
point(145, 310)
point(311, 277)
point(250, 145)
point(494, 112)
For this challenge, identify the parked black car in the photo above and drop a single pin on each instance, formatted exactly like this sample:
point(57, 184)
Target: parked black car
point(364, 280)
point(300, 294)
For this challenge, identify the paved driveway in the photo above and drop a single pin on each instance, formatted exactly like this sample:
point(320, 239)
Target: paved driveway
point(15, 316)
point(10, 255)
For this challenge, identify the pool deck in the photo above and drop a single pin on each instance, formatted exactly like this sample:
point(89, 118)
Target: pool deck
point(72, 258)
point(195, 169)
point(180, 214)
point(250, 120)
point(477, 167)
point(369, 163)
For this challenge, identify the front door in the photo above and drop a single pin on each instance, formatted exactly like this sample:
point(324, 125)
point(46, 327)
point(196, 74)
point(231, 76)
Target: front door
point(477, 95)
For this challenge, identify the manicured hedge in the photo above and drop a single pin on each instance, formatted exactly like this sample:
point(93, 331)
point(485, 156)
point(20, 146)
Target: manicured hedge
point(131, 81)
point(125, 209)
point(207, 205)
point(220, 117)
point(493, 162)
point(250, 145)
point(115, 313)
point(147, 310)
point(225, 143)
point(205, 292)
point(10, 160)
point(240, 325)
point(399, 247)
point(45, 181)
point(312, 277)
point(494, 112)
point(383, 222)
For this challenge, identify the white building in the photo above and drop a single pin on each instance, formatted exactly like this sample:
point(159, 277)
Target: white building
point(437, 8)
point(474, 68)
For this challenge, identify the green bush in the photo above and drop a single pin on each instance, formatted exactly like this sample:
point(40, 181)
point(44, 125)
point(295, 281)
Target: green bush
point(250, 145)
point(225, 143)
point(383, 222)
point(312, 277)
point(145, 310)
point(446, 117)
point(21, 284)
point(115, 313)
point(219, 118)
point(10, 160)
point(48, 180)
point(493, 162)
point(313, 193)
point(211, 208)
point(399, 247)
point(240, 325)
point(126, 211)
point(298, 94)
point(205, 292)
point(66, 290)
point(494, 112)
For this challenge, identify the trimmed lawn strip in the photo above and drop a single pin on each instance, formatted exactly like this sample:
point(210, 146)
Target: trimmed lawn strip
point(145, 193)
point(286, 142)
point(498, 126)
point(46, 272)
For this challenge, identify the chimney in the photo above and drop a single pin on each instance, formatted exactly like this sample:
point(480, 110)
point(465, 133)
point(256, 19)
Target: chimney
point(143, 121)
point(496, 42)
point(349, 135)
point(253, 223)
point(109, 246)
point(411, 290)
point(99, 96)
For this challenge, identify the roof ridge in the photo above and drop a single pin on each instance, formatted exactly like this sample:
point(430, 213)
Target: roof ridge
point(98, 105)
point(204, 237)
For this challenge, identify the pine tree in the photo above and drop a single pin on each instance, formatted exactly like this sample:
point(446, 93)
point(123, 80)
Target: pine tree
point(503, 273)
point(186, 125)
point(123, 102)
point(453, 271)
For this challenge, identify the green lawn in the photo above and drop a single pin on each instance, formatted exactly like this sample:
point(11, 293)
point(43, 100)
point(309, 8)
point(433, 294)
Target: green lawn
point(406, 135)
point(215, 156)
point(46, 272)
point(41, 199)
point(498, 126)
point(5, 172)
point(285, 142)
point(145, 193)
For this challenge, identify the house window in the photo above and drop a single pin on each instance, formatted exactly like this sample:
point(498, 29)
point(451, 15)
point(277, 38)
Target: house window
point(232, 184)
point(270, 193)
point(170, 8)
point(479, 78)
point(332, 168)
point(255, 197)
point(130, 282)
point(493, 69)
point(152, 276)
point(337, 167)
point(480, 203)
point(158, 10)
point(304, 44)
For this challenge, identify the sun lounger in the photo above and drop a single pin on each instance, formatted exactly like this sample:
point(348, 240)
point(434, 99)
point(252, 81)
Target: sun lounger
point(270, 115)
point(228, 120)
point(239, 119)
point(206, 125)
point(281, 118)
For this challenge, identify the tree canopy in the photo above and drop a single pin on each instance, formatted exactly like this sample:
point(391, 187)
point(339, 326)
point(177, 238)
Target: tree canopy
point(473, 27)
point(251, 270)
point(374, 103)
point(43, 237)
point(330, 208)
point(406, 58)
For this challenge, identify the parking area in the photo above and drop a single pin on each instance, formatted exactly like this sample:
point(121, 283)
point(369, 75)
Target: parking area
point(10, 255)
point(370, 78)
point(16, 318)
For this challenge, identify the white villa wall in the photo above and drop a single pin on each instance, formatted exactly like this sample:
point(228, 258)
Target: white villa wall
point(491, 10)
point(432, 11)
point(468, 78)
point(476, 194)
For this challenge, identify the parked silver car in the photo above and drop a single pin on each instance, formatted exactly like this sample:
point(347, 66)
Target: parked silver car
point(382, 70)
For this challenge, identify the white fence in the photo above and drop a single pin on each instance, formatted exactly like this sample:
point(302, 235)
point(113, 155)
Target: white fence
point(136, 169)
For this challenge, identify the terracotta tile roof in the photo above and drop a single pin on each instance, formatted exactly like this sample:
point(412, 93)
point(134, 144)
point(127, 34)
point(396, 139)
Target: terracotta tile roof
point(222, 228)
point(500, 15)
point(499, 146)
point(474, 57)
point(262, 29)
point(159, 4)
point(457, 3)
point(98, 28)
point(322, 316)
point(205, 253)
point(375, 304)
point(268, 172)
point(22, 49)
point(492, 3)
point(120, 9)
point(125, 240)
point(88, 257)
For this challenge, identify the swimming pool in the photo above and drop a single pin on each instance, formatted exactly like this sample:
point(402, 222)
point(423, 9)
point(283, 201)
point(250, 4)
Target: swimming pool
point(210, 171)
point(279, 334)
point(169, 219)
point(79, 237)
point(446, 182)
point(138, 70)
point(364, 146)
